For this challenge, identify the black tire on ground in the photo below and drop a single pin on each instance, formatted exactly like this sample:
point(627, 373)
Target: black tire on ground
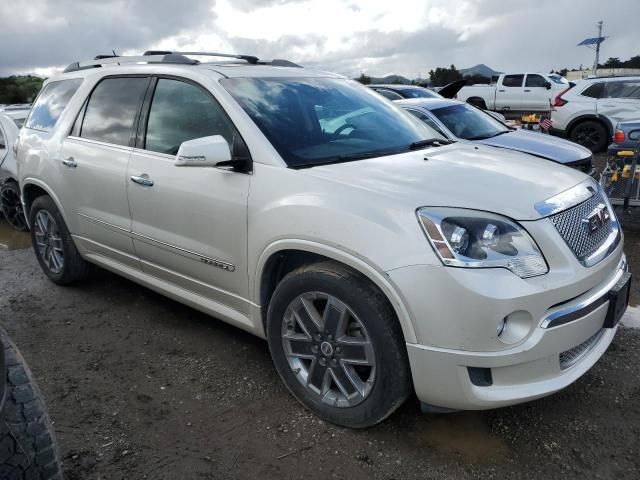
point(477, 102)
point(28, 448)
point(392, 379)
point(591, 134)
point(74, 268)
point(11, 206)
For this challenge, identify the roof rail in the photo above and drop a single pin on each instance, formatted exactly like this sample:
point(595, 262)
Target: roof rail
point(101, 60)
point(166, 56)
point(248, 58)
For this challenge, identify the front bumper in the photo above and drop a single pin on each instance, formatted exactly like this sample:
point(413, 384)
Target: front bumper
point(460, 363)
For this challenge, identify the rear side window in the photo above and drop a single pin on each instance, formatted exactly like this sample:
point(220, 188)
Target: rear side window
point(112, 108)
point(626, 89)
point(389, 94)
point(181, 111)
point(50, 104)
point(512, 80)
point(535, 81)
point(594, 91)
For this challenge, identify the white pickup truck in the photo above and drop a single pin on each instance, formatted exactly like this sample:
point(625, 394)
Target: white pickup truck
point(516, 92)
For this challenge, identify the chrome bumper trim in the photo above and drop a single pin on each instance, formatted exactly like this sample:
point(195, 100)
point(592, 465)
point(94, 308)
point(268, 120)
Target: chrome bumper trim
point(586, 306)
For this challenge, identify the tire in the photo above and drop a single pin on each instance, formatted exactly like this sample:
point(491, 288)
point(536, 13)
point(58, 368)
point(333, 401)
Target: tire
point(370, 334)
point(11, 206)
point(590, 134)
point(28, 449)
point(477, 102)
point(53, 245)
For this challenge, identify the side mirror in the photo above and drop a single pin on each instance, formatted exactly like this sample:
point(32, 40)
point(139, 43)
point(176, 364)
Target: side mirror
point(547, 85)
point(203, 152)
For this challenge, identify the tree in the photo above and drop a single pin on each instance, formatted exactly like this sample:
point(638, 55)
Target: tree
point(364, 79)
point(19, 89)
point(476, 78)
point(443, 76)
point(613, 62)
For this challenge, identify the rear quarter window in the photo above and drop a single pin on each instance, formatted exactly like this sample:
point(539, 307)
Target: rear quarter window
point(594, 91)
point(50, 104)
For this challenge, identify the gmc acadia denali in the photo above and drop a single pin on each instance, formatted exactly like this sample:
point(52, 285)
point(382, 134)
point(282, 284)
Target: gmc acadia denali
point(375, 256)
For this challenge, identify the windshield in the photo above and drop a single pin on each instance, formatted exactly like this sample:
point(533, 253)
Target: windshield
point(312, 121)
point(418, 93)
point(469, 123)
point(558, 79)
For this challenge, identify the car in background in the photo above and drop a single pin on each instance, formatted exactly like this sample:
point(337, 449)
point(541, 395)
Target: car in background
point(399, 91)
point(587, 112)
point(625, 137)
point(10, 204)
point(516, 92)
point(461, 121)
point(18, 112)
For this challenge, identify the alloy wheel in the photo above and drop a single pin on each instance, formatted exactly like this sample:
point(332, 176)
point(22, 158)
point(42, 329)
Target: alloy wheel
point(12, 209)
point(328, 349)
point(49, 241)
point(588, 136)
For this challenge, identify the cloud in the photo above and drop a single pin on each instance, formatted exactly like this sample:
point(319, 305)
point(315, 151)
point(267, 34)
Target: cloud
point(407, 37)
point(45, 33)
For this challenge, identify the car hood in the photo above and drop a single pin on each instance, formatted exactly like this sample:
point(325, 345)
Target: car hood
point(540, 145)
point(458, 175)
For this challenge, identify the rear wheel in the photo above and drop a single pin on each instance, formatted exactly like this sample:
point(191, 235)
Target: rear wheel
point(11, 206)
point(53, 245)
point(591, 134)
point(337, 345)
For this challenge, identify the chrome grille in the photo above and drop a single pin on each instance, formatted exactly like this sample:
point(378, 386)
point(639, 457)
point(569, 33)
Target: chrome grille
point(572, 356)
point(576, 233)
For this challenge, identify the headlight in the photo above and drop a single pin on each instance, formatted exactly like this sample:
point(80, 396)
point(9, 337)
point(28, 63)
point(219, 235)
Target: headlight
point(475, 239)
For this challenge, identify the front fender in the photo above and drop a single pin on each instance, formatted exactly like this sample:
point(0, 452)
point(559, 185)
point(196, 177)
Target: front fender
point(380, 278)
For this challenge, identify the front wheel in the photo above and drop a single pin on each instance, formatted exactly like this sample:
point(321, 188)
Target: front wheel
point(11, 206)
point(337, 345)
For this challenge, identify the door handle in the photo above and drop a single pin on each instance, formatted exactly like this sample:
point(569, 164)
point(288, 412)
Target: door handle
point(527, 90)
point(501, 90)
point(69, 162)
point(142, 180)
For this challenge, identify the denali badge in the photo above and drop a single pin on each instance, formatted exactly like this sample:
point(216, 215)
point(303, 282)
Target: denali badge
point(597, 218)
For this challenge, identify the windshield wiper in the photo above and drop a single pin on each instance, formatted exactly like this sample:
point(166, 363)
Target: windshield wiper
point(429, 142)
point(484, 137)
point(340, 159)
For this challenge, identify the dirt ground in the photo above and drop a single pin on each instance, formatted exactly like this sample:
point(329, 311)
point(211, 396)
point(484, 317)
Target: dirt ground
point(141, 387)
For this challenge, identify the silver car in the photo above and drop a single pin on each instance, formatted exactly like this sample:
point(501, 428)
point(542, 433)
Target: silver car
point(460, 121)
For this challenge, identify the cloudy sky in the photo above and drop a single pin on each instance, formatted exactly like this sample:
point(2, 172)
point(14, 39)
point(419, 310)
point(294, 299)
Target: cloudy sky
point(379, 37)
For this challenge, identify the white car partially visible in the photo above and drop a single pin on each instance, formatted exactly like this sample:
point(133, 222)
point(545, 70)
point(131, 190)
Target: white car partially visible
point(588, 112)
point(10, 204)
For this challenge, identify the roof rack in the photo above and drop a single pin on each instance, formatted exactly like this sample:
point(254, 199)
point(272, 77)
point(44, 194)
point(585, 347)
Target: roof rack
point(166, 56)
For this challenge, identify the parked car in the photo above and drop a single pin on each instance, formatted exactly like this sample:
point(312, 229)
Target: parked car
point(461, 121)
point(373, 254)
point(29, 448)
point(587, 112)
point(398, 92)
point(516, 92)
point(10, 204)
point(625, 137)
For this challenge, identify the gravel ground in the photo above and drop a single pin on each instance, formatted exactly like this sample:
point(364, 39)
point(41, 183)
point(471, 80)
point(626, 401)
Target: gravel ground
point(139, 386)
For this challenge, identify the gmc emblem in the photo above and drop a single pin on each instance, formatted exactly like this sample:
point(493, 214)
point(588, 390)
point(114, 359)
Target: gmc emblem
point(597, 218)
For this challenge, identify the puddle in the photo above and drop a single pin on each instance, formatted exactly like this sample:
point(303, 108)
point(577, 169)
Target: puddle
point(465, 434)
point(11, 239)
point(631, 318)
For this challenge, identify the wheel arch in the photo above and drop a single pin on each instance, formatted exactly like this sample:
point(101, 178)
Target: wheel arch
point(31, 189)
point(590, 116)
point(283, 256)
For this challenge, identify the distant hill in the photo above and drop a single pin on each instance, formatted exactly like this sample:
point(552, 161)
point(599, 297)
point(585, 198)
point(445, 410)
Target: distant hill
point(480, 69)
point(391, 79)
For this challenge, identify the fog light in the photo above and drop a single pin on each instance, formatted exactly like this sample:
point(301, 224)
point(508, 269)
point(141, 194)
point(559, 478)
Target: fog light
point(514, 327)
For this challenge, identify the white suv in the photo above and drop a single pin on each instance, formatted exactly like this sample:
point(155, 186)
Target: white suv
point(588, 111)
point(375, 256)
